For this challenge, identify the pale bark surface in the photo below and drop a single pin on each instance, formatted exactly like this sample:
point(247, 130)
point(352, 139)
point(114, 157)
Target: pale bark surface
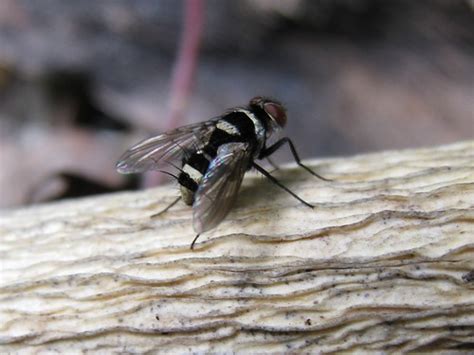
point(385, 262)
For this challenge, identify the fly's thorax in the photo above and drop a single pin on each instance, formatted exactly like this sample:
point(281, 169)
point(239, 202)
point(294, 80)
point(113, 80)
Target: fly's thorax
point(260, 130)
point(228, 128)
point(238, 126)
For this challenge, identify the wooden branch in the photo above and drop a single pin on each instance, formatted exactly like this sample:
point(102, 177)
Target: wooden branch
point(384, 262)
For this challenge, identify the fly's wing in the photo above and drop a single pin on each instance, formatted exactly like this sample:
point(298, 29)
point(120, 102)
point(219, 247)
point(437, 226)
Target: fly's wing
point(218, 189)
point(153, 153)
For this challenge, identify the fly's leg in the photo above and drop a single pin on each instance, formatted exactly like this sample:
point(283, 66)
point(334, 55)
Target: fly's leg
point(270, 150)
point(194, 241)
point(166, 208)
point(279, 184)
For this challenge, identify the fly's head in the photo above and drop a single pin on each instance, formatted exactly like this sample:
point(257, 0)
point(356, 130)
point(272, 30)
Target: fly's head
point(275, 112)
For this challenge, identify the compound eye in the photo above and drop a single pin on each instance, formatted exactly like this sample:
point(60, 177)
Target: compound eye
point(277, 112)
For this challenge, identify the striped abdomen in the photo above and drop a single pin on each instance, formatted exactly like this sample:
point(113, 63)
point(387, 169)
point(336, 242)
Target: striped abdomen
point(236, 126)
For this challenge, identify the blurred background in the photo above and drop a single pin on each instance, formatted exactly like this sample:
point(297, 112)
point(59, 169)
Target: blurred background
point(81, 81)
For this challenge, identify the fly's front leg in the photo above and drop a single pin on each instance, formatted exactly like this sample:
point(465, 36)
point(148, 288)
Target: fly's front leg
point(277, 145)
point(279, 184)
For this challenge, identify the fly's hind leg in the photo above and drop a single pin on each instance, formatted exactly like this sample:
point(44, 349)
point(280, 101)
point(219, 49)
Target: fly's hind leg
point(194, 241)
point(166, 208)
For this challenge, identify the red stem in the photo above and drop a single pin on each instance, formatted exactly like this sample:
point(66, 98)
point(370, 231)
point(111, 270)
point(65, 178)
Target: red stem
point(185, 67)
point(183, 72)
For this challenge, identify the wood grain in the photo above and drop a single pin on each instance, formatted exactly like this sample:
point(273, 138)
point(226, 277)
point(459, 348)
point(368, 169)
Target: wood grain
point(384, 262)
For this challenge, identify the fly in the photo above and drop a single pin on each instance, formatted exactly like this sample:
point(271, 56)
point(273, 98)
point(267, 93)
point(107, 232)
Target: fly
point(214, 156)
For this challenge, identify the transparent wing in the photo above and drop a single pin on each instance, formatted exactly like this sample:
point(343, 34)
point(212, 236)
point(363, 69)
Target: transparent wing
point(153, 153)
point(218, 189)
